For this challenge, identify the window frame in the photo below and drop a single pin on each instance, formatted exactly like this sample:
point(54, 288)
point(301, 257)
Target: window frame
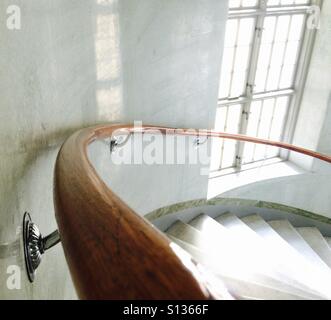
point(294, 93)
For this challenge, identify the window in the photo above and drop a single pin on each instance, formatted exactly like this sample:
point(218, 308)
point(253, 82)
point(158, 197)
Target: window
point(265, 41)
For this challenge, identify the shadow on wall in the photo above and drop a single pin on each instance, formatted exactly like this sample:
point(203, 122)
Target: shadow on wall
point(60, 72)
point(324, 144)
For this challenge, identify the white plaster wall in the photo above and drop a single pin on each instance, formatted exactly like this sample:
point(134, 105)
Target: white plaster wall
point(79, 62)
point(305, 191)
point(313, 129)
point(182, 41)
point(154, 183)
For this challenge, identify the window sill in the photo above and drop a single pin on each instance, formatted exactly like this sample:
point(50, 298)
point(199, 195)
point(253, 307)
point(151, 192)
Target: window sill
point(228, 179)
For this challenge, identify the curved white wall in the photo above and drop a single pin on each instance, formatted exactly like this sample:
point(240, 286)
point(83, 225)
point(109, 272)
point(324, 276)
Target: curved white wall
point(75, 63)
point(313, 129)
point(305, 191)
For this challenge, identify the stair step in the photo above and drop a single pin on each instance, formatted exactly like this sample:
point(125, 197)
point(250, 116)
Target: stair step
point(209, 243)
point(229, 243)
point(328, 240)
point(316, 240)
point(239, 228)
point(200, 257)
point(307, 275)
point(228, 256)
point(285, 229)
point(237, 287)
point(247, 235)
point(187, 233)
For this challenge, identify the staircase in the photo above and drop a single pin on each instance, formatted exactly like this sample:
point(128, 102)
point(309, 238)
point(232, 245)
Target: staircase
point(259, 258)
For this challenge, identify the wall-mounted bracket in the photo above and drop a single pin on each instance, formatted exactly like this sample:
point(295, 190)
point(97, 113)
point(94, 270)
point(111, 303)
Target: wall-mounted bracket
point(197, 142)
point(35, 245)
point(118, 141)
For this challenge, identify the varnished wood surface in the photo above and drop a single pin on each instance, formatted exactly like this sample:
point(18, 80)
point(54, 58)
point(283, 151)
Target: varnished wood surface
point(237, 137)
point(112, 252)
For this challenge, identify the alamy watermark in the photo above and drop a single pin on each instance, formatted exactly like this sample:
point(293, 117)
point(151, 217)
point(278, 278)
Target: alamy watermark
point(14, 277)
point(154, 146)
point(314, 17)
point(14, 17)
point(14, 21)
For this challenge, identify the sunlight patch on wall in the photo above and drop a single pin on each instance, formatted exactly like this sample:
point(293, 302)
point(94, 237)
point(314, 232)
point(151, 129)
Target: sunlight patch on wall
point(108, 61)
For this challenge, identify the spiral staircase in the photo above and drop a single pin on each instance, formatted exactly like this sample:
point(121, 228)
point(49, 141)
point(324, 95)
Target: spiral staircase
point(223, 248)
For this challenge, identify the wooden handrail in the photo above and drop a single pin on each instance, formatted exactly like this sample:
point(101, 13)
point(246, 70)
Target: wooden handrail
point(112, 252)
point(231, 136)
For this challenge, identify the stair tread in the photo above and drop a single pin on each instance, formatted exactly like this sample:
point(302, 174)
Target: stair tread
point(328, 240)
point(232, 259)
point(200, 257)
point(285, 229)
point(248, 235)
point(240, 288)
point(187, 233)
point(308, 274)
point(258, 259)
point(316, 240)
point(241, 229)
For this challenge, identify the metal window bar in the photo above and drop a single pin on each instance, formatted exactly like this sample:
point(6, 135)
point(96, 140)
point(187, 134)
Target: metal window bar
point(271, 54)
point(284, 53)
point(235, 48)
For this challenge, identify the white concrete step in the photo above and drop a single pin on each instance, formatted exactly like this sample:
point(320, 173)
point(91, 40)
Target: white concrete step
point(328, 240)
point(229, 257)
point(239, 288)
point(279, 267)
point(231, 243)
point(211, 244)
point(222, 289)
point(285, 229)
point(307, 274)
point(316, 240)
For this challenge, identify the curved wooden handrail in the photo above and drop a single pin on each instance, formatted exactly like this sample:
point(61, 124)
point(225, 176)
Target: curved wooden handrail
point(112, 252)
point(231, 136)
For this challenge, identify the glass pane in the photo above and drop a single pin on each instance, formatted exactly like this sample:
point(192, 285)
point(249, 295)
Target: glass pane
point(302, 1)
point(217, 144)
point(249, 3)
point(291, 53)
point(224, 84)
point(232, 126)
point(245, 31)
point(238, 84)
point(223, 150)
point(264, 127)
point(282, 30)
point(266, 121)
point(273, 78)
point(266, 116)
point(253, 122)
point(269, 29)
point(272, 3)
point(238, 46)
point(235, 4)
point(297, 24)
point(286, 80)
point(279, 52)
point(277, 125)
point(286, 2)
point(231, 32)
point(260, 79)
